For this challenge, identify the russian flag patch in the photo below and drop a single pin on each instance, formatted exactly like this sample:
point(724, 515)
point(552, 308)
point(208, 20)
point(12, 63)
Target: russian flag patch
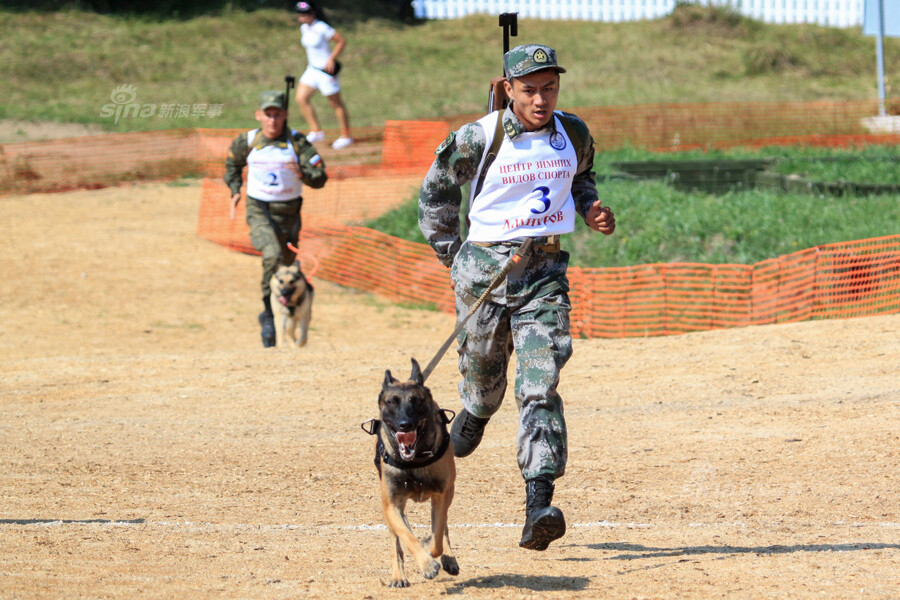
point(315, 160)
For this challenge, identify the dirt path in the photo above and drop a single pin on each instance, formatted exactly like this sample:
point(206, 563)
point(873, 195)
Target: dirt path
point(152, 448)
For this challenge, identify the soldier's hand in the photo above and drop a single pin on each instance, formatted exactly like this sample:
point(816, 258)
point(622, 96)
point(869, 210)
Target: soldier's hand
point(295, 167)
point(235, 200)
point(601, 218)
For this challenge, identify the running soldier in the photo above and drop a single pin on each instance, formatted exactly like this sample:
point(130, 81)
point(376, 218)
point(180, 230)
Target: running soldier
point(531, 171)
point(279, 161)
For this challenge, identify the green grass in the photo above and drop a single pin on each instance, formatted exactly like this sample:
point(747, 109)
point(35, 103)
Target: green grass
point(874, 164)
point(657, 223)
point(63, 66)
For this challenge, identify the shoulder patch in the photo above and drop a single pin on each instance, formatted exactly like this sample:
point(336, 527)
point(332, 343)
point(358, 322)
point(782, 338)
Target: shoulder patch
point(446, 143)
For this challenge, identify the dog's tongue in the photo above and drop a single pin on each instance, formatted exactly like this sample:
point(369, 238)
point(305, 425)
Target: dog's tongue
point(283, 300)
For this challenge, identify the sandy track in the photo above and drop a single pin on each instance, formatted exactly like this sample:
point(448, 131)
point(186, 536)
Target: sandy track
point(152, 448)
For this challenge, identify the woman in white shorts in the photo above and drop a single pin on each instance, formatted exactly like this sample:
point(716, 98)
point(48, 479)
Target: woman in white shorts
point(316, 36)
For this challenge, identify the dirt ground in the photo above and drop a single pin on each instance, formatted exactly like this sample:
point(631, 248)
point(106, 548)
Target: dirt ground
point(152, 448)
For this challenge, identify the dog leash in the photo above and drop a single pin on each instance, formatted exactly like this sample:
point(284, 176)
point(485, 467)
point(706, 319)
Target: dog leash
point(512, 262)
point(296, 251)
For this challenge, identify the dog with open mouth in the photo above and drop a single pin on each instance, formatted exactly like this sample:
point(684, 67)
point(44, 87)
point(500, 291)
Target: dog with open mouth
point(414, 459)
point(291, 298)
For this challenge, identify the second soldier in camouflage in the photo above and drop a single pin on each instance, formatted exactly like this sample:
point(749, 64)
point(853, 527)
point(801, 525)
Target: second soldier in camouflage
point(531, 174)
point(279, 162)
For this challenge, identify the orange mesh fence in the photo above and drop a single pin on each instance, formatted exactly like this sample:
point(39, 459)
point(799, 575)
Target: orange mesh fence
point(410, 145)
point(848, 279)
point(833, 281)
point(700, 125)
point(386, 165)
point(97, 160)
point(369, 260)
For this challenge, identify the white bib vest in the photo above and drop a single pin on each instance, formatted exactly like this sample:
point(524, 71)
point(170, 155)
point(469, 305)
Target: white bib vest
point(269, 176)
point(527, 191)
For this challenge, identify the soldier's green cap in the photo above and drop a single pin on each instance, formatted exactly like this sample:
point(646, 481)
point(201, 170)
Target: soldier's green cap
point(529, 58)
point(271, 98)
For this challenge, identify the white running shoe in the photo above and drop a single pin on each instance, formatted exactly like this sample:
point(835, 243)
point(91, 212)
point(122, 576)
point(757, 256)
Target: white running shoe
point(315, 136)
point(342, 142)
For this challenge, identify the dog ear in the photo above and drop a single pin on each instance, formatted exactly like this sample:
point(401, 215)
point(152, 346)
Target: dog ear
point(416, 375)
point(388, 380)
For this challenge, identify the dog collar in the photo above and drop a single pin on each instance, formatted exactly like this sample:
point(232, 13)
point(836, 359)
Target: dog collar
point(414, 464)
point(381, 451)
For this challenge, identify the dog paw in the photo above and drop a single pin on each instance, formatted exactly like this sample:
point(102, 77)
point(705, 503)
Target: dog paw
point(398, 583)
point(450, 565)
point(431, 571)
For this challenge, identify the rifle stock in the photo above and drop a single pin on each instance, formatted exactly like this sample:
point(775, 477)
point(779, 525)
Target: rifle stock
point(497, 98)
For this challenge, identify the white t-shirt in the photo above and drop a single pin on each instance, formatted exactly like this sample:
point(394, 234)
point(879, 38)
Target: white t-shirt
point(315, 37)
point(527, 191)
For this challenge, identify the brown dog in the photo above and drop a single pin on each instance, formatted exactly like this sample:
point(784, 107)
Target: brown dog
point(292, 298)
point(414, 458)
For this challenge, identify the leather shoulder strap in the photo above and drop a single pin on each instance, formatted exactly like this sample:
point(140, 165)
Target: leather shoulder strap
point(571, 132)
point(256, 139)
point(491, 154)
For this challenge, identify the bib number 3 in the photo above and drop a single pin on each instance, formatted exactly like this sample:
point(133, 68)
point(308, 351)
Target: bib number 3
point(543, 199)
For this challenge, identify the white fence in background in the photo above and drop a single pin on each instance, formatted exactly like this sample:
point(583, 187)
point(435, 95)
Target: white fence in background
point(832, 13)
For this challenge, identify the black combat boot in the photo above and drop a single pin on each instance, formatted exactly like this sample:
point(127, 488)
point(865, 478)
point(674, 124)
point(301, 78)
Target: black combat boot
point(543, 523)
point(267, 324)
point(466, 433)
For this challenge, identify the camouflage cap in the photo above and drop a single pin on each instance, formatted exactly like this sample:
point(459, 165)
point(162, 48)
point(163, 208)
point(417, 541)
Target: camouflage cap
point(271, 98)
point(529, 58)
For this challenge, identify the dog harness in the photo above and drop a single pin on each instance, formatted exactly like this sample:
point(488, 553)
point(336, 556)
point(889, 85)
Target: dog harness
point(381, 453)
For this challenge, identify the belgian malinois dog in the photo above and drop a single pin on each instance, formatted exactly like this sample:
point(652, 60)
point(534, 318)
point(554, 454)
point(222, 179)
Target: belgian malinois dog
point(291, 298)
point(414, 458)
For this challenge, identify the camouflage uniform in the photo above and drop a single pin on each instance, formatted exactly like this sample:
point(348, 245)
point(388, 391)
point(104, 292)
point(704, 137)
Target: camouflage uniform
point(529, 312)
point(274, 224)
